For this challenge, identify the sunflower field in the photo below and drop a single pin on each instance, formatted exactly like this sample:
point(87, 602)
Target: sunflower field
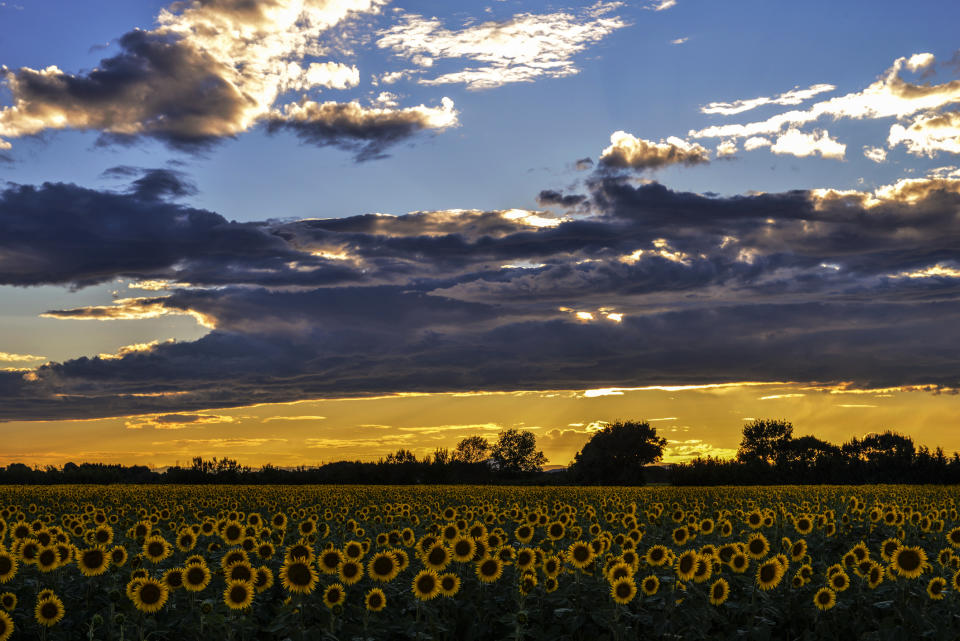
point(378, 562)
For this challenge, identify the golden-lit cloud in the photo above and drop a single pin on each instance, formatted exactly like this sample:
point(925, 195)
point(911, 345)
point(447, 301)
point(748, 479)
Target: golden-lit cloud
point(628, 151)
point(800, 144)
point(889, 97)
point(219, 443)
point(175, 421)
point(129, 309)
point(306, 417)
point(7, 357)
point(126, 350)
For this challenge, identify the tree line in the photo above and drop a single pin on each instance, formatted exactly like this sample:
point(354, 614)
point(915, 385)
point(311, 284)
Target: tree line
point(621, 453)
point(770, 454)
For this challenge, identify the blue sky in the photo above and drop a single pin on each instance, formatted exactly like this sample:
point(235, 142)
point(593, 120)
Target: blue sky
point(487, 112)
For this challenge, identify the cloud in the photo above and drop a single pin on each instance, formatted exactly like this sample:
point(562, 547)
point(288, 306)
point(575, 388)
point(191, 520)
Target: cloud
point(726, 149)
point(215, 69)
point(294, 418)
point(662, 5)
point(366, 130)
point(549, 197)
point(525, 47)
point(876, 154)
point(7, 357)
point(807, 286)
point(627, 151)
point(928, 134)
point(889, 97)
point(175, 421)
point(679, 41)
point(797, 143)
point(793, 97)
point(756, 142)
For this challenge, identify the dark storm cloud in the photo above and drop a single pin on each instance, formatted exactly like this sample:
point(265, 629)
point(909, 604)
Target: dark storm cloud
point(366, 131)
point(158, 86)
point(656, 287)
point(549, 197)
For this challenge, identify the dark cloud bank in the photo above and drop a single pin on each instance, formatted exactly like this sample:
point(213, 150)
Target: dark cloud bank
point(802, 286)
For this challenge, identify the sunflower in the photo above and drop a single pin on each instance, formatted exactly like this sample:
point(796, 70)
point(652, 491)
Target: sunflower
point(680, 535)
point(769, 574)
point(49, 611)
point(263, 579)
point(719, 592)
point(239, 571)
point(6, 626)
point(935, 588)
point(232, 532)
point(524, 533)
point(739, 562)
point(148, 595)
point(462, 548)
point(118, 555)
point(489, 570)
point(375, 600)
point(757, 546)
point(874, 575)
point(953, 537)
point(334, 595)
point(48, 559)
point(186, 540)
point(657, 555)
point(839, 581)
point(803, 525)
point(580, 554)
point(556, 530)
point(298, 576)
point(437, 557)
point(156, 549)
point(350, 572)
point(619, 570)
point(798, 549)
point(908, 561)
point(93, 561)
point(623, 590)
point(686, 565)
point(330, 560)
point(825, 598)
point(196, 577)
point(383, 567)
point(526, 558)
point(300, 550)
point(173, 578)
point(426, 585)
point(238, 595)
point(528, 581)
point(8, 601)
point(449, 584)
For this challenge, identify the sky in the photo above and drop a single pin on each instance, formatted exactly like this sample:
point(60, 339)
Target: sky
point(296, 231)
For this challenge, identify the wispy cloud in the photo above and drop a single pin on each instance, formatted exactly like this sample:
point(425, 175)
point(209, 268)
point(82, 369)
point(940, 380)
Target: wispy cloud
point(521, 49)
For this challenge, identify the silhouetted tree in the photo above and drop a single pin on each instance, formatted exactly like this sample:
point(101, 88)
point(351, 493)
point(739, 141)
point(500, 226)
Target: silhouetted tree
point(765, 440)
point(473, 449)
point(516, 452)
point(401, 456)
point(617, 453)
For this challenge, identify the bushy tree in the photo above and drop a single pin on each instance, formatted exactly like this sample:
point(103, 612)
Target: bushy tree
point(616, 454)
point(766, 440)
point(516, 452)
point(473, 449)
